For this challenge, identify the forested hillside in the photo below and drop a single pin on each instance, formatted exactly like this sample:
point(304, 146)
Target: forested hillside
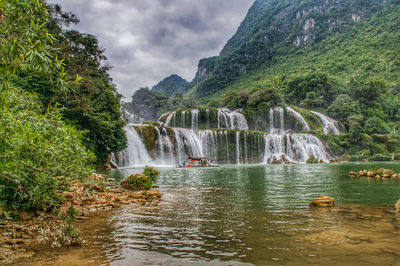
point(172, 85)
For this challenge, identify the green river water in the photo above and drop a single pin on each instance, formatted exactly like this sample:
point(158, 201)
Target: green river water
point(250, 214)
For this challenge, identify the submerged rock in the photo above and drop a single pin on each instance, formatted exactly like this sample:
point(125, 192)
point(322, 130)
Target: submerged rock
point(323, 202)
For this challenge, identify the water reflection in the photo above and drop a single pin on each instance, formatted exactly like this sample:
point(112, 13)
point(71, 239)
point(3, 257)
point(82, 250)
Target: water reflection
point(257, 214)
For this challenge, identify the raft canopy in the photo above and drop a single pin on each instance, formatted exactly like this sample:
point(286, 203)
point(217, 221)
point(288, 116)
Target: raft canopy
point(197, 159)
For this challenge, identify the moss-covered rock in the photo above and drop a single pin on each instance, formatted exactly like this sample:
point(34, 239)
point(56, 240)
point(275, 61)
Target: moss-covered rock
point(137, 182)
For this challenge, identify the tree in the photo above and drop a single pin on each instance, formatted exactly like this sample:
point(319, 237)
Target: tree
point(343, 107)
point(355, 127)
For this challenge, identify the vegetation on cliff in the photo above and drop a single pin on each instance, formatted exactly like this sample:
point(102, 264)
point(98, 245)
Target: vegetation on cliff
point(171, 86)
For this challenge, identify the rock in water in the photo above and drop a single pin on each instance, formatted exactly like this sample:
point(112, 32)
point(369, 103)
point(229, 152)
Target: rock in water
point(397, 207)
point(323, 201)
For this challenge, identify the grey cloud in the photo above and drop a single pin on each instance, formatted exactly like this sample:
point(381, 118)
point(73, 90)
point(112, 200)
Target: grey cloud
point(147, 40)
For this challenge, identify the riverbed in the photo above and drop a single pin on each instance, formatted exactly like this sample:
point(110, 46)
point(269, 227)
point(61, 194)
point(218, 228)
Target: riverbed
point(248, 214)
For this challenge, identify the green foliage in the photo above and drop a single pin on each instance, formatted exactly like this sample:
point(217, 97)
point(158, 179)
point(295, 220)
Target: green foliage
point(151, 105)
point(39, 153)
point(137, 182)
point(171, 86)
point(311, 90)
point(380, 157)
point(343, 107)
point(378, 148)
point(376, 125)
point(355, 127)
point(151, 172)
point(39, 57)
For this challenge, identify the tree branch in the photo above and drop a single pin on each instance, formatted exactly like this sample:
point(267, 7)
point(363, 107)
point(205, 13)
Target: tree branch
point(8, 178)
point(36, 169)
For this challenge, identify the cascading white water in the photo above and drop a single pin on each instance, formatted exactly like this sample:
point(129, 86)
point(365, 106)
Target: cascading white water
point(169, 118)
point(299, 118)
point(237, 147)
point(136, 153)
point(195, 119)
point(191, 142)
point(276, 126)
point(183, 118)
point(281, 147)
point(231, 119)
point(328, 123)
point(296, 148)
point(209, 143)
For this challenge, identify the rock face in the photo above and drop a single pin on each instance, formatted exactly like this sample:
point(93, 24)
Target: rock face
point(323, 202)
point(397, 206)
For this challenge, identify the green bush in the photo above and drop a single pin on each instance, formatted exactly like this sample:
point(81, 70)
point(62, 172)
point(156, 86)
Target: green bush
point(378, 148)
point(380, 157)
point(151, 172)
point(397, 157)
point(376, 125)
point(137, 182)
point(39, 153)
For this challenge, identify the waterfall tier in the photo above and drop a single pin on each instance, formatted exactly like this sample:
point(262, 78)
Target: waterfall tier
point(223, 136)
point(331, 126)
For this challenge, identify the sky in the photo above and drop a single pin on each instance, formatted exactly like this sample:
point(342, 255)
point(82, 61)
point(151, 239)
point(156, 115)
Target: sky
point(148, 40)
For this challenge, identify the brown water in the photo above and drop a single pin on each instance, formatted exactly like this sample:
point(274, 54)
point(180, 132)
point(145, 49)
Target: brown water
point(237, 215)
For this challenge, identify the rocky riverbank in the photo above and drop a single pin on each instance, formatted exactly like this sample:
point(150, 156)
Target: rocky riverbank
point(380, 173)
point(31, 232)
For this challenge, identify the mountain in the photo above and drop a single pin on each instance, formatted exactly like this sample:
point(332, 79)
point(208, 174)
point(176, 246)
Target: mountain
point(172, 85)
point(348, 39)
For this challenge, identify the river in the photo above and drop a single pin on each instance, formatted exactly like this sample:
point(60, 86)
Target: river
point(249, 214)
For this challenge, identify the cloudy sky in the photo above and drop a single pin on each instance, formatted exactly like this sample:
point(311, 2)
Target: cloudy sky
point(147, 40)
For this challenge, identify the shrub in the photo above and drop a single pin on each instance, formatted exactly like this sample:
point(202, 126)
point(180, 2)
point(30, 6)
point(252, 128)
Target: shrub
point(376, 125)
point(397, 157)
point(380, 157)
point(378, 148)
point(39, 153)
point(137, 182)
point(151, 172)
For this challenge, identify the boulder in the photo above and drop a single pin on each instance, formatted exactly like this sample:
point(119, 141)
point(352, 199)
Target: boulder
point(323, 202)
point(397, 206)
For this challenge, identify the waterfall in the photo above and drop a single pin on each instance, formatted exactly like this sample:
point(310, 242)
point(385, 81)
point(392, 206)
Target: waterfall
point(169, 118)
point(195, 119)
point(227, 146)
point(135, 154)
point(183, 118)
point(299, 117)
point(231, 120)
point(209, 143)
point(294, 148)
point(281, 147)
point(276, 126)
point(328, 123)
point(237, 147)
point(174, 144)
point(192, 144)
